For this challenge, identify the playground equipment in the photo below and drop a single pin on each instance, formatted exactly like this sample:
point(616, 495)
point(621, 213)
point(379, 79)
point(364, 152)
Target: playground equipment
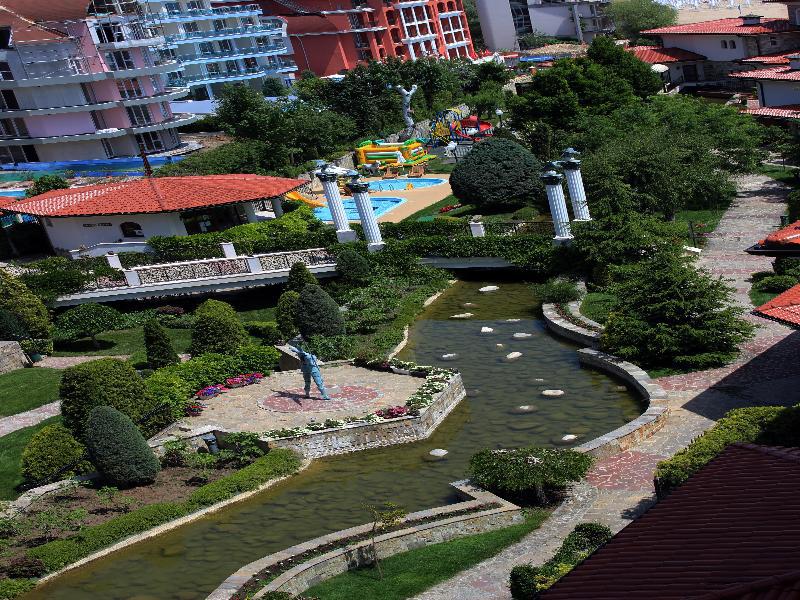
point(389, 154)
point(298, 197)
point(455, 125)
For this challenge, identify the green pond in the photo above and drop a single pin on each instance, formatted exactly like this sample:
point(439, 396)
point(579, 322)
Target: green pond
point(190, 562)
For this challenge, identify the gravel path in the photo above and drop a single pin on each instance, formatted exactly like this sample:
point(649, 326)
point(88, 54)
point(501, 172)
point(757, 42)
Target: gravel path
point(28, 418)
point(620, 488)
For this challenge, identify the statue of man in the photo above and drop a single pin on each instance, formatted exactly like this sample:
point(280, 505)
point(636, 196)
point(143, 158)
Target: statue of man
point(407, 95)
point(309, 365)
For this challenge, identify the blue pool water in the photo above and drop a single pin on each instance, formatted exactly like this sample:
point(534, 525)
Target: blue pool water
point(379, 205)
point(393, 185)
point(13, 193)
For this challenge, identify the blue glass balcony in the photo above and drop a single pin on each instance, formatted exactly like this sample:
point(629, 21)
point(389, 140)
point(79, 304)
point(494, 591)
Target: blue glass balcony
point(198, 14)
point(218, 56)
point(233, 32)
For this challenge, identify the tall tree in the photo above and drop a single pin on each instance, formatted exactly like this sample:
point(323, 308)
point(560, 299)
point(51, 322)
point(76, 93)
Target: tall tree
point(631, 17)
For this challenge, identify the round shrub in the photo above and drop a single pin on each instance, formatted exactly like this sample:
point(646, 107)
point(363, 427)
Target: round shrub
point(52, 454)
point(775, 284)
point(497, 174)
point(522, 582)
point(158, 346)
point(205, 370)
point(531, 474)
point(16, 298)
point(559, 291)
point(318, 313)
point(217, 329)
point(299, 277)
point(165, 388)
point(285, 314)
point(353, 267)
point(88, 320)
point(104, 382)
point(118, 449)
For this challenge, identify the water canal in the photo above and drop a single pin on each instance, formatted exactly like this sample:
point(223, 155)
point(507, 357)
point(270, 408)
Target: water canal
point(188, 563)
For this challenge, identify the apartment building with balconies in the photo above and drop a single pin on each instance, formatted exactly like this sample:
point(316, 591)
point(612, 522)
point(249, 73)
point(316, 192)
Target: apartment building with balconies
point(220, 43)
point(80, 80)
point(332, 36)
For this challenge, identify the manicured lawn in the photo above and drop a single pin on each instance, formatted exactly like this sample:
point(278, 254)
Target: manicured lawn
point(596, 306)
point(437, 165)
point(25, 389)
point(11, 447)
point(257, 314)
point(410, 573)
point(124, 341)
point(705, 221)
point(431, 211)
point(788, 176)
point(759, 298)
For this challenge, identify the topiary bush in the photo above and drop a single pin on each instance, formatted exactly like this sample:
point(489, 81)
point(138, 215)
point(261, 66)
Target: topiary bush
point(30, 311)
point(104, 382)
point(216, 329)
point(118, 449)
point(158, 346)
point(256, 359)
point(299, 277)
point(530, 475)
point(558, 291)
point(88, 320)
point(266, 331)
point(318, 313)
point(497, 174)
point(353, 268)
point(53, 453)
point(775, 283)
point(285, 314)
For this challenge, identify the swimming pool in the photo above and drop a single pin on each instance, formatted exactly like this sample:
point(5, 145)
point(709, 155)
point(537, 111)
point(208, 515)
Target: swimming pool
point(392, 185)
point(13, 193)
point(380, 205)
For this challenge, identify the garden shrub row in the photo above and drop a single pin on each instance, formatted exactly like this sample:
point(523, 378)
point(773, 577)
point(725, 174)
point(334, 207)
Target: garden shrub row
point(528, 582)
point(770, 425)
point(59, 553)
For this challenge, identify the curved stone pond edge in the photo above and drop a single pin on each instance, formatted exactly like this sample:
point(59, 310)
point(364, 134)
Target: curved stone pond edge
point(642, 427)
point(319, 568)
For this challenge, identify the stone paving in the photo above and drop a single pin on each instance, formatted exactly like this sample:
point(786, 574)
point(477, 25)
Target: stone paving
point(64, 362)
point(29, 418)
point(279, 400)
point(620, 488)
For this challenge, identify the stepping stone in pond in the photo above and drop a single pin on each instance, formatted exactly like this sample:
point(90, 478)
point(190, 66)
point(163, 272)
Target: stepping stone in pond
point(553, 393)
point(524, 409)
point(473, 392)
point(469, 305)
point(451, 356)
point(499, 346)
point(489, 288)
point(487, 330)
point(462, 316)
point(522, 336)
point(620, 388)
point(539, 380)
point(570, 437)
point(438, 452)
point(522, 426)
point(513, 320)
point(513, 355)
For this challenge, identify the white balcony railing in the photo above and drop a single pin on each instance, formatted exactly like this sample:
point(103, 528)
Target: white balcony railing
point(193, 36)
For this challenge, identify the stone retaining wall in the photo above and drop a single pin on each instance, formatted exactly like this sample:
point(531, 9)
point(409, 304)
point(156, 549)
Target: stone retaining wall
point(319, 568)
point(567, 329)
point(352, 438)
point(12, 357)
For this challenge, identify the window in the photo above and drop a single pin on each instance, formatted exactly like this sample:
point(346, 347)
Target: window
point(129, 88)
point(251, 64)
point(172, 7)
point(165, 111)
point(8, 100)
point(190, 27)
point(150, 141)
point(225, 46)
point(206, 48)
point(732, 44)
point(131, 229)
point(724, 44)
point(108, 33)
point(5, 72)
point(107, 148)
point(773, 41)
point(13, 128)
point(139, 115)
point(231, 66)
point(213, 69)
point(120, 60)
point(219, 25)
point(194, 5)
point(5, 38)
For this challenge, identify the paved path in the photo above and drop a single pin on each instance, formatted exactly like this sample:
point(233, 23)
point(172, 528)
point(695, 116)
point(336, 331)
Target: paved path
point(28, 418)
point(64, 362)
point(620, 488)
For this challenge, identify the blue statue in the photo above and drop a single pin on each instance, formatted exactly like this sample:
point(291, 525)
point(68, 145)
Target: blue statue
point(309, 365)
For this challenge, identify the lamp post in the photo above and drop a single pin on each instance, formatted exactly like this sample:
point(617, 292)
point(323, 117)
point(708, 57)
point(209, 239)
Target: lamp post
point(330, 186)
point(360, 191)
point(558, 204)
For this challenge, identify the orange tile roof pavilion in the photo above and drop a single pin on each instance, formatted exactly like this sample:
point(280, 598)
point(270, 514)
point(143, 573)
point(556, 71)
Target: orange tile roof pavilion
point(153, 195)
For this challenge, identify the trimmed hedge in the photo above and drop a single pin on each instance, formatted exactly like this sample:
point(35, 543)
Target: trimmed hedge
point(53, 453)
point(770, 425)
point(104, 382)
point(285, 313)
point(118, 449)
point(775, 283)
point(216, 329)
point(559, 291)
point(299, 277)
point(353, 268)
point(317, 313)
point(60, 553)
point(158, 346)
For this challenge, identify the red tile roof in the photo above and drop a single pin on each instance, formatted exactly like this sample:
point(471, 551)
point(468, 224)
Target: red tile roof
point(784, 308)
point(788, 236)
point(787, 111)
point(735, 523)
point(775, 58)
point(48, 10)
point(734, 26)
point(777, 73)
point(656, 55)
point(152, 195)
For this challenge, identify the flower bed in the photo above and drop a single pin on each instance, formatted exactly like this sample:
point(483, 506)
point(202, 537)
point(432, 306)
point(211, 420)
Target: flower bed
point(195, 407)
point(565, 313)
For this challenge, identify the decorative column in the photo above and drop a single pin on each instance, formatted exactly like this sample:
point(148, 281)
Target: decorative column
point(558, 205)
point(114, 261)
point(360, 191)
point(577, 194)
point(277, 206)
point(331, 187)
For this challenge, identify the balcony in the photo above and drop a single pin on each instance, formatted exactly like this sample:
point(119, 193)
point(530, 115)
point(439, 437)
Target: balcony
point(199, 14)
point(155, 69)
point(208, 57)
point(233, 32)
point(170, 94)
point(241, 75)
point(123, 44)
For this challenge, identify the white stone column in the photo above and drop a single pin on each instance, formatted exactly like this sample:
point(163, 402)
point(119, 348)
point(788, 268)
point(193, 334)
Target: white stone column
point(360, 191)
point(558, 205)
point(277, 206)
point(113, 261)
point(340, 221)
point(228, 249)
point(577, 194)
point(132, 278)
point(250, 212)
point(477, 229)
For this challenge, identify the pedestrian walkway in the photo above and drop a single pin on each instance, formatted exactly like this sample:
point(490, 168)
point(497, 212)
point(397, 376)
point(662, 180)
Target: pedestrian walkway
point(620, 488)
point(64, 362)
point(29, 418)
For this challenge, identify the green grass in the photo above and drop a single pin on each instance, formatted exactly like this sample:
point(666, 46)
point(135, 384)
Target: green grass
point(431, 211)
point(257, 314)
point(124, 341)
point(705, 221)
point(25, 389)
point(596, 306)
point(788, 176)
point(413, 572)
point(438, 166)
point(11, 447)
point(758, 298)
